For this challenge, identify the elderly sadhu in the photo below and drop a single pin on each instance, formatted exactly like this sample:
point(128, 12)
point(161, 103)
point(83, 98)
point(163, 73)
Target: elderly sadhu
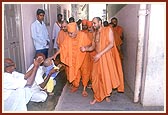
point(73, 58)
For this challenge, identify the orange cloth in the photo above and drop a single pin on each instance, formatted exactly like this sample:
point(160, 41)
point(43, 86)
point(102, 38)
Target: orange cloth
point(119, 30)
point(92, 53)
point(84, 21)
point(85, 31)
point(72, 27)
point(72, 56)
point(61, 37)
point(117, 37)
point(118, 41)
point(88, 63)
point(89, 23)
point(107, 71)
point(86, 69)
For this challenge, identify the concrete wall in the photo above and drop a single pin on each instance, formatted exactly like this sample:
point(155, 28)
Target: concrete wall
point(28, 16)
point(153, 89)
point(154, 72)
point(127, 18)
point(112, 9)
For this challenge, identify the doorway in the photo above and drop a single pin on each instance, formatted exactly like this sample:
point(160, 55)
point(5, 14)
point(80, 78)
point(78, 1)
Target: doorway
point(13, 47)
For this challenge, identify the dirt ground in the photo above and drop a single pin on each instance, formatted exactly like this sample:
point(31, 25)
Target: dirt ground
point(51, 102)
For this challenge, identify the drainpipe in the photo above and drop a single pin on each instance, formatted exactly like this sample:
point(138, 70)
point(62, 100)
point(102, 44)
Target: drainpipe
point(140, 50)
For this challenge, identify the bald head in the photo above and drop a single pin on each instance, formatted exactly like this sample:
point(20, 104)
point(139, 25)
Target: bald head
point(97, 23)
point(98, 19)
point(47, 62)
point(64, 25)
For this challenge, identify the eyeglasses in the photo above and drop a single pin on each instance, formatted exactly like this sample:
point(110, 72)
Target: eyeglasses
point(9, 64)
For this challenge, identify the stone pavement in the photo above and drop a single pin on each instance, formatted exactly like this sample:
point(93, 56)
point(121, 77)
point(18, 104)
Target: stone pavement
point(120, 102)
point(64, 101)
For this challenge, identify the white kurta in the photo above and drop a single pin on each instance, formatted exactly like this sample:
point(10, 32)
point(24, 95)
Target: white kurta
point(56, 29)
point(14, 94)
point(37, 94)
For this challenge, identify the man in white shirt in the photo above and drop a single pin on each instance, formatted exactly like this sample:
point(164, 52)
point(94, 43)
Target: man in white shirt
point(40, 34)
point(56, 29)
point(14, 92)
point(37, 89)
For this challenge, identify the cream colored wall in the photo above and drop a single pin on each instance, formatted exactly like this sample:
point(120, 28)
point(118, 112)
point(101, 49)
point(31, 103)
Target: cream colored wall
point(127, 18)
point(28, 17)
point(112, 9)
point(154, 86)
point(154, 75)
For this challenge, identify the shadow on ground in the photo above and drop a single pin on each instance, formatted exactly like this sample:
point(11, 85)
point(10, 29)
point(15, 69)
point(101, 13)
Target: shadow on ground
point(51, 102)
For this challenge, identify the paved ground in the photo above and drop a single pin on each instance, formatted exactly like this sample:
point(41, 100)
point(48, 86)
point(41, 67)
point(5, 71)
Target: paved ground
point(74, 102)
point(64, 101)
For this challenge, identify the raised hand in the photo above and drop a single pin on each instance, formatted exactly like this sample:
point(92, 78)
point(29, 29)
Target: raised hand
point(82, 49)
point(38, 61)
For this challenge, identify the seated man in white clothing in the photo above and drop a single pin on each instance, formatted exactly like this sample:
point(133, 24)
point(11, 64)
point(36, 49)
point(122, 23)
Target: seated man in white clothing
point(14, 94)
point(37, 89)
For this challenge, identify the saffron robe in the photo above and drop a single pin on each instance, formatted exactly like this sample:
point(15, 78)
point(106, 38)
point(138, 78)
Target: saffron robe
point(107, 72)
point(117, 36)
point(71, 56)
point(61, 37)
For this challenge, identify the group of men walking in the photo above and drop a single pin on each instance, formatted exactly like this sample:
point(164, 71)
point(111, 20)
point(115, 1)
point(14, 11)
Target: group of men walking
point(90, 55)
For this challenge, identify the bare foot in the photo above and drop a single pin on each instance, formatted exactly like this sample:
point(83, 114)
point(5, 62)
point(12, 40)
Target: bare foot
point(73, 89)
point(93, 102)
point(50, 93)
point(89, 86)
point(84, 94)
point(108, 99)
point(70, 86)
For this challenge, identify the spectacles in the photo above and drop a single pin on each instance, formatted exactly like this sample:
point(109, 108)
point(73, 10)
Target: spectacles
point(9, 64)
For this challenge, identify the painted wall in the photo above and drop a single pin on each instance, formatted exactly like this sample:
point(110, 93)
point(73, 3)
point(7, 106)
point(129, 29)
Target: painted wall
point(28, 17)
point(154, 90)
point(153, 82)
point(127, 18)
point(112, 9)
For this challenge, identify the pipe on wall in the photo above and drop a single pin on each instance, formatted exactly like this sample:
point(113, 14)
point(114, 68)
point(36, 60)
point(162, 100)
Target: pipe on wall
point(140, 50)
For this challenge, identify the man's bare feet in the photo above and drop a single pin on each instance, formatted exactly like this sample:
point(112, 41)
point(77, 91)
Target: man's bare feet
point(50, 93)
point(108, 99)
point(89, 86)
point(73, 89)
point(70, 86)
point(93, 102)
point(84, 94)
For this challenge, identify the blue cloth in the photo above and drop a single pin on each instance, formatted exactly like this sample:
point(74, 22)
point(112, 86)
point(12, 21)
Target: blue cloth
point(48, 69)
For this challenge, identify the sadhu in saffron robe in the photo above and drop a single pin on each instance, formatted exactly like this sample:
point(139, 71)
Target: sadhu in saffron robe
point(107, 72)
